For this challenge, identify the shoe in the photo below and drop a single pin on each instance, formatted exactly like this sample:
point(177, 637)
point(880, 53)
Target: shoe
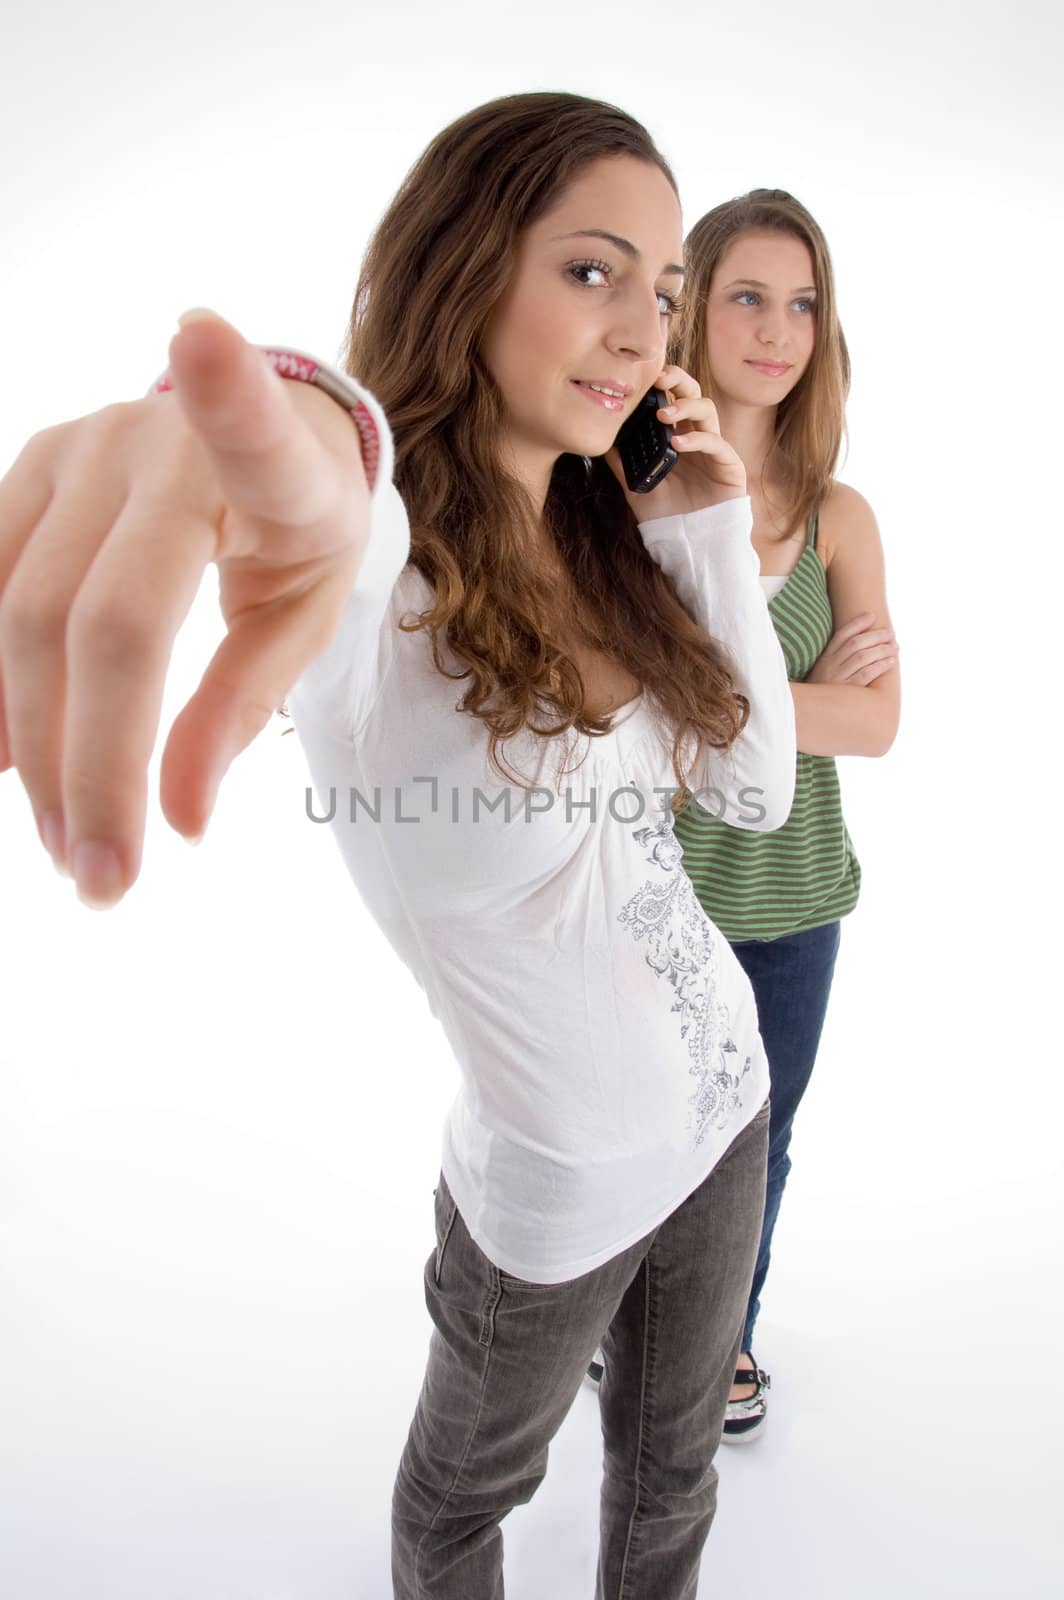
point(595, 1368)
point(744, 1419)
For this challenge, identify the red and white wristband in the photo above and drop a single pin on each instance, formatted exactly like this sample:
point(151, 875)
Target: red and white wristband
point(337, 385)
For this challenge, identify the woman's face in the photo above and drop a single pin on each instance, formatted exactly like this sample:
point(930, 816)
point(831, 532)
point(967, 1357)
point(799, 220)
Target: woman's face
point(760, 318)
point(580, 334)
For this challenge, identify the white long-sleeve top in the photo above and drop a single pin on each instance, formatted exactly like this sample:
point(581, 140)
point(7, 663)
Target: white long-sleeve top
point(605, 1033)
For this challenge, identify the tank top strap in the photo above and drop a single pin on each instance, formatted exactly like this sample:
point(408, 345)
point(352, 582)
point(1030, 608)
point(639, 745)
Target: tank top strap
point(812, 528)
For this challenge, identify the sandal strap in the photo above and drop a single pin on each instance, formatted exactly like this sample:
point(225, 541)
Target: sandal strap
point(758, 1376)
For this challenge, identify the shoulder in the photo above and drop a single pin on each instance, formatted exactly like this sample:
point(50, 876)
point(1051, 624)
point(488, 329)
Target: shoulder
point(848, 524)
point(412, 594)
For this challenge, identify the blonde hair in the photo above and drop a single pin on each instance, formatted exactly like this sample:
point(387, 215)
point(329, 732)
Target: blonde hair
point(811, 420)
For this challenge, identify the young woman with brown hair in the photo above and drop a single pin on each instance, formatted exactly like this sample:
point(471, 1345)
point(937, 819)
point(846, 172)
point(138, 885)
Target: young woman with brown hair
point(495, 649)
point(763, 338)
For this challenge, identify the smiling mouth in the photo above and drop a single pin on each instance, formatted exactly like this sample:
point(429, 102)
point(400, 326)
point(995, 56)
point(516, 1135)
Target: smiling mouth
point(610, 397)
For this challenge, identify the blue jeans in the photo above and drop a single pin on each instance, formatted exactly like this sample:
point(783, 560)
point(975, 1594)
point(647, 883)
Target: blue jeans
point(791, 978)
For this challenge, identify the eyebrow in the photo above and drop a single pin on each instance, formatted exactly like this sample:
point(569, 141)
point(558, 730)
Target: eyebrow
point(755, 283)
point(625, 246)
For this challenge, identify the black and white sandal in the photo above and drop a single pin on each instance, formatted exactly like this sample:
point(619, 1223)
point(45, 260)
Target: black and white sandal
point(745, 1418)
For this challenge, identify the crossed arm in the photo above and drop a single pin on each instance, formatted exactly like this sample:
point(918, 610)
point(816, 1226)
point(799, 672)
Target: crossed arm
point(851, 701)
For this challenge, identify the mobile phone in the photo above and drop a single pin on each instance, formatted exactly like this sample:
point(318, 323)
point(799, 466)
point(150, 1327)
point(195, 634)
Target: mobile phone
point(645, 446)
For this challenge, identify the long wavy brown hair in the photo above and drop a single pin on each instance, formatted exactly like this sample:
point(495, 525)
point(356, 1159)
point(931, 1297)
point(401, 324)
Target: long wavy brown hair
point(811, 420)
point(439, 263)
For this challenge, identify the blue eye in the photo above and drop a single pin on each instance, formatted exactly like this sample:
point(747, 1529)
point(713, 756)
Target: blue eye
point(749, 297)
point(670, 306)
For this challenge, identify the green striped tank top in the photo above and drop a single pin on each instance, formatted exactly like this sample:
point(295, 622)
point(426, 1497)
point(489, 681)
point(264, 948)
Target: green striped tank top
point(764, 885)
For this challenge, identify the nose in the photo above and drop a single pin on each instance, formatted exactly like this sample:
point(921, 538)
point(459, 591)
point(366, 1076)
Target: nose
point(772, 326)
point(637, 330)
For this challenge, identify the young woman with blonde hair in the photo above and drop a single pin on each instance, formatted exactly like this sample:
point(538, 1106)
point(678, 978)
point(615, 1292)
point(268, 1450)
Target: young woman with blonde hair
point(762, 336)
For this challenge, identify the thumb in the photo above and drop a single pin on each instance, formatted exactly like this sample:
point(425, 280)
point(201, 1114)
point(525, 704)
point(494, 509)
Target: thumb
point(267, 458)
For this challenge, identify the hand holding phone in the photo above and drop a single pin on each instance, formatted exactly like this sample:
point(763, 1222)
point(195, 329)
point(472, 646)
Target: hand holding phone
point(645, 445)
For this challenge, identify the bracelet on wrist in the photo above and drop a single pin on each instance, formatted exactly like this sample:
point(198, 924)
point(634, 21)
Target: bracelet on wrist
point(302, 368)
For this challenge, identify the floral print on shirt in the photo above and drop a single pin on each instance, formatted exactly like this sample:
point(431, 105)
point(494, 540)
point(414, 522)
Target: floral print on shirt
point(682, 947)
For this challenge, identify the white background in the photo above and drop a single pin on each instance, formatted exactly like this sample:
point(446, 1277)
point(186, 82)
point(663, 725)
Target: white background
point(220, 1104)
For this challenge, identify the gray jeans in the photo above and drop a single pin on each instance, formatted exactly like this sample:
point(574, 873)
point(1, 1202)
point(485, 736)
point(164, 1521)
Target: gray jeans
point(506, 1361)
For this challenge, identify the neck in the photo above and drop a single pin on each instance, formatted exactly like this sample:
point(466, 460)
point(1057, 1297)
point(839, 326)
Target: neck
point(532, 469)
point(750, 431)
